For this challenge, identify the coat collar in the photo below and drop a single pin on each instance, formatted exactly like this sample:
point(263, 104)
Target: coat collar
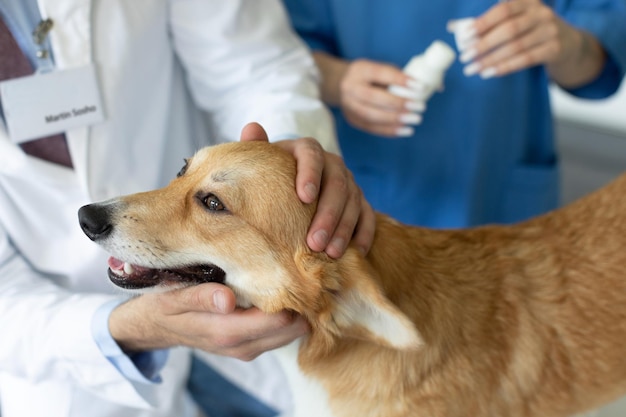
point(71, 33)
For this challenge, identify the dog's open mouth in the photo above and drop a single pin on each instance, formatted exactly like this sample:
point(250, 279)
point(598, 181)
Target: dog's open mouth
point(132, 277)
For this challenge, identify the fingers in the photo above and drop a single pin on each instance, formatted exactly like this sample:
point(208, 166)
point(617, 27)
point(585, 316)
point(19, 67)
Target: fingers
point(209, 297)
point(366, 227)
point(241, 333)
point(338, 209)
point(524, 53)
point(511, 36)
point(368, 104)
point(499, 14)
point(202, 322)
point(381, 121)
point(330, 208)
point(505, 34)
point(248, 333)
point(375, 73)
point(343, 215)
point(379, 97)
point(310, 160)
point(253, 131)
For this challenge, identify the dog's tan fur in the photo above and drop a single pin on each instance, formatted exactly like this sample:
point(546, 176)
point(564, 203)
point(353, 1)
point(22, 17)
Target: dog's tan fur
point(526, 320)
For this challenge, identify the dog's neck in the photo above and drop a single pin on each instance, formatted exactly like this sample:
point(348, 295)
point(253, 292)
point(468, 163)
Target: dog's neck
point(421, 283)
point(405, 269)
point(413, 271)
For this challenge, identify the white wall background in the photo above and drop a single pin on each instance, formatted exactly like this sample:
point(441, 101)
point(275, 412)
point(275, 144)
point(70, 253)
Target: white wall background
point(591, 135)
point(606, 115)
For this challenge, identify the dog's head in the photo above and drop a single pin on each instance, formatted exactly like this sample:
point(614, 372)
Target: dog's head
point(232, 216)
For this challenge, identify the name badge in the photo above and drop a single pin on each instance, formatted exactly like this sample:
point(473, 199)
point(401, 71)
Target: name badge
point(45, 104)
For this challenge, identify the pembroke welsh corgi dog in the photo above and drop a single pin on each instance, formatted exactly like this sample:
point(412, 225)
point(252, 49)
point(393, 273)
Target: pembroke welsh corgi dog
point(524, 320)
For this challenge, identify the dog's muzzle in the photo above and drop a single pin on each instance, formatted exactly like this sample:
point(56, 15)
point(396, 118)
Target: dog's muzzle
point(96, 222)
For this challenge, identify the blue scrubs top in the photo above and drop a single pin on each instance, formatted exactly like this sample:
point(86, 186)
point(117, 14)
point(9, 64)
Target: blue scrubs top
point(484, 152)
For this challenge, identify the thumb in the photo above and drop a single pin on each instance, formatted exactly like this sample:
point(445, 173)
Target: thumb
point(253, 131)
point(209, 297)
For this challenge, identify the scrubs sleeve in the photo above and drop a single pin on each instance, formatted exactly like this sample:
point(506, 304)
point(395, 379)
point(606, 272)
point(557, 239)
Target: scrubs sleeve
point(245, 63)
point(312, 19)
point(604, 19)
point(58, 343)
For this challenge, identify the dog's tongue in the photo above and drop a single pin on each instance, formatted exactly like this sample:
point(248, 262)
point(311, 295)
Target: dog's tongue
point(117, 265)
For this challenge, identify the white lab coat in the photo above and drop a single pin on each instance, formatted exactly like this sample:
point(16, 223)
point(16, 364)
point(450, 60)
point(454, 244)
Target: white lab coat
point(242, 64)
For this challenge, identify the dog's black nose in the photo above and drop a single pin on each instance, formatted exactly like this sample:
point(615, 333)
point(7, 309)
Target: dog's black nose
point(95, 220)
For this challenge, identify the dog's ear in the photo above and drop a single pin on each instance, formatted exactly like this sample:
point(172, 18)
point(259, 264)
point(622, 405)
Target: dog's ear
point(361, 305)
point(354, 305)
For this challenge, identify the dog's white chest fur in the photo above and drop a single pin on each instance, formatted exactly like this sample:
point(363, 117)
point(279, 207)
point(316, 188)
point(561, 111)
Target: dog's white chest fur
point(309, 397)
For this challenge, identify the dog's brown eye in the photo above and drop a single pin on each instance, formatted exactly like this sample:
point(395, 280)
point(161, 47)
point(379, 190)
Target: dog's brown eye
point(213, 203)
point(183, 169)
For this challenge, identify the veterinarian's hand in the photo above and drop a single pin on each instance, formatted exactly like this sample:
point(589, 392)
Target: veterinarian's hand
point(203, 317)
point(342, 214)
point(515, 35)
point(360, 89)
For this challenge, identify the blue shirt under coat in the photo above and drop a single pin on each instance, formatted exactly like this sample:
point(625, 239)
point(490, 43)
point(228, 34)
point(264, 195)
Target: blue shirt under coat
point(485, 151)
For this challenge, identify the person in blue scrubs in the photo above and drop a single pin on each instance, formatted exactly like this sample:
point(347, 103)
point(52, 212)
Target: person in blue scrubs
point(482, 150)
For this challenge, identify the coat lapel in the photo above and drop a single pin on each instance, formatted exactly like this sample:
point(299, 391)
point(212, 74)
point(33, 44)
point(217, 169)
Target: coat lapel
point(71, 40)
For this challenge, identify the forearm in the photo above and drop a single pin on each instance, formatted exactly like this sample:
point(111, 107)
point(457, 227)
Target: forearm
point(333, 70)
point(580, 62)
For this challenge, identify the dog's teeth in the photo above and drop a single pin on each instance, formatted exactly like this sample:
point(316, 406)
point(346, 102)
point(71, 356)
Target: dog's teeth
point(128, 268)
